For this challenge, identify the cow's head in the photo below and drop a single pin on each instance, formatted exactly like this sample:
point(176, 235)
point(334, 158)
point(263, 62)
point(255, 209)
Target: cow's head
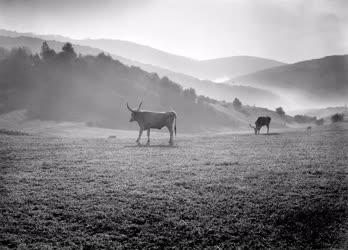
point(255, 128)
point(134, 113)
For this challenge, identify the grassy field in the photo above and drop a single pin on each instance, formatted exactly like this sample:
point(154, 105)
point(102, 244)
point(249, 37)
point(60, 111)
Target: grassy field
point(281, 191)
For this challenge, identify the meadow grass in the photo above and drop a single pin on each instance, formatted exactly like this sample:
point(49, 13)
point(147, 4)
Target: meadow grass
point(281, 191)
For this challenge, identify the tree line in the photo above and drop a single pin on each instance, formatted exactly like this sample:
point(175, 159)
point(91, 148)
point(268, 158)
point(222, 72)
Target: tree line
point(63, 85)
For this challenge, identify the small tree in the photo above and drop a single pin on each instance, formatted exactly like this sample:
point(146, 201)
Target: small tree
point(190, 94)
point(337, 117)
point(103, 57)
point(68, 48)
point(237, 104)
point(68, 52)
point(46, 52)
point(280, 111)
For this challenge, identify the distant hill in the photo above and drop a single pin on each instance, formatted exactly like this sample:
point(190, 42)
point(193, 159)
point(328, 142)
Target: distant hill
point(34, 44)
point(62, 86)
point(58, 38)
point(233, 66)
point(321, 81)
point(322, 113)
point(219, 91)
point(228, 67)
point(206, 69)
point(248, 95)
point(93, 90)
point(248, 115)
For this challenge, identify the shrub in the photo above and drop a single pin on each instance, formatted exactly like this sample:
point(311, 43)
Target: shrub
point(280, 111)
point(237, 104)
point(337, 117)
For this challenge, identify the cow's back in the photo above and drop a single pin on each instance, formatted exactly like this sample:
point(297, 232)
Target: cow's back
point(156, 119)
point(263, 120)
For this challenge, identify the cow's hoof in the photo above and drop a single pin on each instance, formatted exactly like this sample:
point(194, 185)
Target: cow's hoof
point(171, 143)
point(148, 144)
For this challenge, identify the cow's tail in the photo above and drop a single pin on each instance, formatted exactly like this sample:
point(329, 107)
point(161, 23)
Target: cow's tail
point(175, 123)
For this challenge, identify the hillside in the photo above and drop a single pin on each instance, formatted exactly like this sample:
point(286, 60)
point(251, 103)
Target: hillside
point(322, 113)
point(219, 91)
point(62, 86)
point(206, 69)
point(247, 115)
point(233, 66)
point(34, 45)
point(321, 81)
point(226, 92)
point(228, 67)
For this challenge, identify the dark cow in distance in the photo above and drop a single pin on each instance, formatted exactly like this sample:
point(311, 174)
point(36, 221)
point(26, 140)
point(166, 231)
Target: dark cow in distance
point(260, 122)
point(149, 119)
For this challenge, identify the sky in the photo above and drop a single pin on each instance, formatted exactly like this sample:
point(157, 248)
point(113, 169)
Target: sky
point(285, 30)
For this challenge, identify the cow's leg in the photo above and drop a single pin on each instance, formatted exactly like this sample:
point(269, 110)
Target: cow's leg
point(148, 137)
point(140, 133)
point(170, 128)
point(267, 129)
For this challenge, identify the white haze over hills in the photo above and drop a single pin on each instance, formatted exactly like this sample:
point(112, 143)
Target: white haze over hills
point(255, 81)
point(203, 69)
point(284, 30)
point(220, 68)
point(316, 83)
point(248, 95)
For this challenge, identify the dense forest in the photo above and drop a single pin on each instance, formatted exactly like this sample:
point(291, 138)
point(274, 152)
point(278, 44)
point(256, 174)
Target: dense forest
point(64, 86)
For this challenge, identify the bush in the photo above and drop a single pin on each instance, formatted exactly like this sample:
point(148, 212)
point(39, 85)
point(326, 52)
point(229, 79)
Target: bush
point(237, 104)
point(280, 111)
point(337, 117)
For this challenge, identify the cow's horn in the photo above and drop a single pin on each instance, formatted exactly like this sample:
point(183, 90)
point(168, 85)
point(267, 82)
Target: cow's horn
point(140, 105)
point(131, 110)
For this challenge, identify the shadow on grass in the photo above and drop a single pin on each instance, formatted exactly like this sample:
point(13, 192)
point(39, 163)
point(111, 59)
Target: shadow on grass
point(12, 132)
point(261, 134)
point(152, 146)
point(271, 134)
point(311, 227)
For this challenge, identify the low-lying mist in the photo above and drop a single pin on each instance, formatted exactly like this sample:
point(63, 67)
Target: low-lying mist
point(95, 90)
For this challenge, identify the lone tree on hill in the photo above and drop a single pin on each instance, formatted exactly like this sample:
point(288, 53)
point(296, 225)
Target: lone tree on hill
point(68, 51)
point(237, 103)
point(280, 111)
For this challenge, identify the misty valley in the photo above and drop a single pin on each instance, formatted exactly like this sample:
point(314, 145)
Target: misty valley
point(147, 134)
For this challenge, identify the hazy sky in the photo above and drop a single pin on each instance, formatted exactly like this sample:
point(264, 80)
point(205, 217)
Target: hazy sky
point(286, 30)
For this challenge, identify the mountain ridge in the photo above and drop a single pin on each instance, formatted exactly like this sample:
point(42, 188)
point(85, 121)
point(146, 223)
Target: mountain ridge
point(202, 69)
point(206, 87)
point(323, 80)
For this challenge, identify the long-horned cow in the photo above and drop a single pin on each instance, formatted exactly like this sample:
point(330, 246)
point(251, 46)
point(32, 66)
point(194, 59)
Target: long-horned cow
point(260, 122)
point(149, 119)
